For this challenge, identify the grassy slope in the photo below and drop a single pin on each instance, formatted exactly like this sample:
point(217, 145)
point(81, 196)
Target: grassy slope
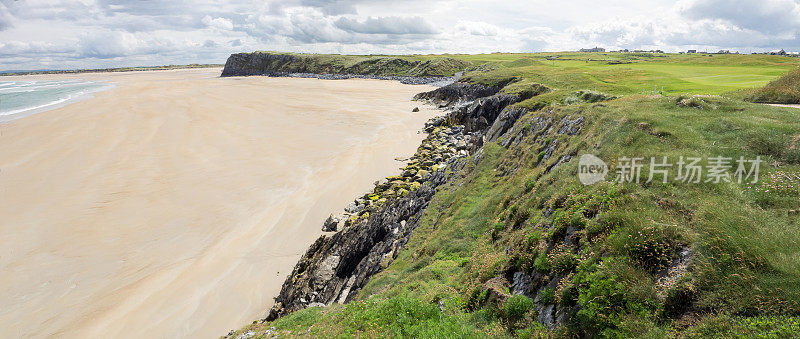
point(784, 90)
point(746, 276)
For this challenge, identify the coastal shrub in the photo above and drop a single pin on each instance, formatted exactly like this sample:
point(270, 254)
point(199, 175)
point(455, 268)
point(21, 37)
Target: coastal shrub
point(517, 307)
point(604, 301)
point(653, 247)
point(566, 293)
point(562, 260)
point(547, 295)
point(525, 252)
point(476, 298)
point(530, 184)
point(541, 264)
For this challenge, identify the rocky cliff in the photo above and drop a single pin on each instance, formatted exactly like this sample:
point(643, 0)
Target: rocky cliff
point(402, 69)
point(336, 266)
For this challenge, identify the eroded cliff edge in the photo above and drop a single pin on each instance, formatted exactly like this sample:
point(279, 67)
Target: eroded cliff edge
point(379, 224)
point(368, 235)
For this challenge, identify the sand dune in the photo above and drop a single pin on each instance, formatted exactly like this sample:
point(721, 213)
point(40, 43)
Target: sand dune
point(176, 203)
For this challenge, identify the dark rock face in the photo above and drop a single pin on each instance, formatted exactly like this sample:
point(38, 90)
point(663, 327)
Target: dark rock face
point(472, 105)
point(456, 93)
point(504, 122)
point(335, 267)
point(258, 63)
point(481, 113)
point(289, 65)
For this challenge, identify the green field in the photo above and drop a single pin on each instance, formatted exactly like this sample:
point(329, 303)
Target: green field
point(676, 73)
point(508, 213)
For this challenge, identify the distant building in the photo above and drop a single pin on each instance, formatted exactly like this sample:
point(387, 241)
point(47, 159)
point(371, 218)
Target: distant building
point(724, 51)
point(777, 52)
point(593, 50)
point(646, 51)
point(691, 51)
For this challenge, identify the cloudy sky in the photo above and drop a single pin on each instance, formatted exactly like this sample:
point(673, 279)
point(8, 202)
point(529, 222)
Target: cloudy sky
point(68, 34)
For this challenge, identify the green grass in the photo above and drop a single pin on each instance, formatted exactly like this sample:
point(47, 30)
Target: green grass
point(677, 74)
point(784, 90)
point(755, 327)
point(744, 278)
point(747, 261)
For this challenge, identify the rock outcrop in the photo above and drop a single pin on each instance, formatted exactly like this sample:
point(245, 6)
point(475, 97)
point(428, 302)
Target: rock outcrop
point(508, 117)
point(439, 71)
point(336, 266)
point(456, 94)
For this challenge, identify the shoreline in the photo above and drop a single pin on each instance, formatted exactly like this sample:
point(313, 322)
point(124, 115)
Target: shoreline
point(109, 70)
point(406, 80)
point(6, 118)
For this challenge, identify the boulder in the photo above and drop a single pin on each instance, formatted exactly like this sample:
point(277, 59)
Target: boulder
point(410, 172)
point(354, 208)
point(495, 289)
point(334, 223)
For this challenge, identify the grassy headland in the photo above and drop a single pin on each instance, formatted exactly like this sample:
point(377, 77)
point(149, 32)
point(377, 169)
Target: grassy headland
point(672, 259)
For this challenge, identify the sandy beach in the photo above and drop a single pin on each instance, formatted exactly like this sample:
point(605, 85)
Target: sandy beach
point(176, 203)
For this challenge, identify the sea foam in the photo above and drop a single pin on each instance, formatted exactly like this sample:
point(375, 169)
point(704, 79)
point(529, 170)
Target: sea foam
point(21, 98)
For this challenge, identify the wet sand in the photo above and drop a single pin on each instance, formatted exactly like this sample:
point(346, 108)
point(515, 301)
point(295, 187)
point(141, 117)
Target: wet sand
point(176, 203)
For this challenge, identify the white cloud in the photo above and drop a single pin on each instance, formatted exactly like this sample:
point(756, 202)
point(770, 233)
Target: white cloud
point(100, 33)
point(477, 28)
point(218, 23)
point(769, 16)
point(387, 25)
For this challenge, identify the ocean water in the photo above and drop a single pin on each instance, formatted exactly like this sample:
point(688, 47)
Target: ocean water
point(22, 98)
